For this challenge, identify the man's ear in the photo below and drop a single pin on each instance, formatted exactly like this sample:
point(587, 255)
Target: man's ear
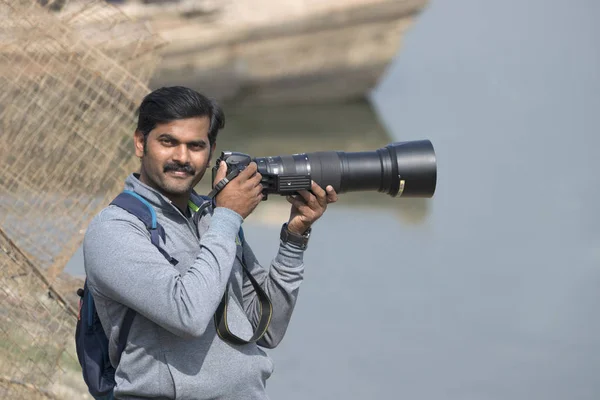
point(138, 142)
point(212, 151)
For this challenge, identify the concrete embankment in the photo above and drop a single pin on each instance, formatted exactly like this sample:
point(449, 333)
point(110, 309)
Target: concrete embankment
point(281, 52)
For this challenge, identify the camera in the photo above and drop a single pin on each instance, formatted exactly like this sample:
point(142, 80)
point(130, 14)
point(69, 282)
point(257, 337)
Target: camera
point(401, 169)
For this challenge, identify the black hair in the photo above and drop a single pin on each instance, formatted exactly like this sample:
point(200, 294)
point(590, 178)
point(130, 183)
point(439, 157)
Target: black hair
point(168, 104)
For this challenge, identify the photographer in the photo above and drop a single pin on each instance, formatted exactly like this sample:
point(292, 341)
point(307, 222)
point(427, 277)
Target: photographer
point(173, 348)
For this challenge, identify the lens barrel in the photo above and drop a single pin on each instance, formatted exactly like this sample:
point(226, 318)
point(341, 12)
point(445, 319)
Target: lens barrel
point(402, 169)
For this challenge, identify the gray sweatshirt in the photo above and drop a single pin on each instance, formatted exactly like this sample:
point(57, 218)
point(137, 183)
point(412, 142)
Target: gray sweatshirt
point(173, 350)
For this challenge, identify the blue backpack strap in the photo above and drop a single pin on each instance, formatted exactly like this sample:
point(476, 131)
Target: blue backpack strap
point(90, 339)
point(138, 206)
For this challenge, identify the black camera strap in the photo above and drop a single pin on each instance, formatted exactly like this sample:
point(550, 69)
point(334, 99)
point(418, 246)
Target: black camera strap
point(266, 307)
point(266, 312)
point(223, 182)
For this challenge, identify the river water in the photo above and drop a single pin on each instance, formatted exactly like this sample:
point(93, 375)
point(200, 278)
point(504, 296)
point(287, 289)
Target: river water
point(488, 290)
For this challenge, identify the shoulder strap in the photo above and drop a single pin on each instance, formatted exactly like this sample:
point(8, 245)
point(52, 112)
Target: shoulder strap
point(138, 206)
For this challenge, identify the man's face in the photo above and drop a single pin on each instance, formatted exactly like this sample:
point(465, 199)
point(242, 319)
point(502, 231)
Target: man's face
point(176, 155)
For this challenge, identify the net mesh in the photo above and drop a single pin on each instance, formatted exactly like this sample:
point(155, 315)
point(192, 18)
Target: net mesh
point(72, 74)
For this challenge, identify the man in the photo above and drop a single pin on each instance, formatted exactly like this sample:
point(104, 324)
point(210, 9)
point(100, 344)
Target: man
point(173, 350)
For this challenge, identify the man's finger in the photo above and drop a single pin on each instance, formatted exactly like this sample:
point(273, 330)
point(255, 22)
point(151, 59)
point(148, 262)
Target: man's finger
point(331, 194)
point(257, 178)
point(221, 172)
point(248, 172)
point(296, 202)
point(319, 193)
point(309, 198)
point(258, 188)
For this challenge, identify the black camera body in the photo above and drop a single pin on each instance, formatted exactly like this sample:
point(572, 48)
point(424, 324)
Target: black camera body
point(402, 169)
point(273, 183)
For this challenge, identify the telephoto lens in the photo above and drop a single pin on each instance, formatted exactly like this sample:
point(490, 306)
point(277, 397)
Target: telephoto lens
point(402, 169)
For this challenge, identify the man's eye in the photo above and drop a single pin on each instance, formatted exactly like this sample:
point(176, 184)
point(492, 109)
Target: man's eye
point(196, 146)
point(166, 141)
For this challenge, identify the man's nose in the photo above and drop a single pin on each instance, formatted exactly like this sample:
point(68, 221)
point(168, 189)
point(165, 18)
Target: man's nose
point(181, 154)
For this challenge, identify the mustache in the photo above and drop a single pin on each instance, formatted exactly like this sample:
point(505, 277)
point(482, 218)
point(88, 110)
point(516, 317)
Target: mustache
point(187, 168)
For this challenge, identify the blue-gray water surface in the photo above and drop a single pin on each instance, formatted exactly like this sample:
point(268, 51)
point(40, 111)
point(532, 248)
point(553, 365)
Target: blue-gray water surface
point(491, 292)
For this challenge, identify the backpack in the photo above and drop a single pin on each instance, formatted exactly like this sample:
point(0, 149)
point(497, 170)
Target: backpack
point(90, 339)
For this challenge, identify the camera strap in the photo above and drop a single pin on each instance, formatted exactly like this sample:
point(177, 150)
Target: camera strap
point(266, 312)
point(266, 307)
point(223, 182)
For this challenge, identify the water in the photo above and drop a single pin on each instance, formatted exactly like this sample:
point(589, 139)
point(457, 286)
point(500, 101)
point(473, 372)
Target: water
point(489, 290)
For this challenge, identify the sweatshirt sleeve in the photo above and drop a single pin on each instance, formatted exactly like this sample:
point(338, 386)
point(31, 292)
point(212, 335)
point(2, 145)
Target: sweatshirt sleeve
point(281, 282)
point(123, 265)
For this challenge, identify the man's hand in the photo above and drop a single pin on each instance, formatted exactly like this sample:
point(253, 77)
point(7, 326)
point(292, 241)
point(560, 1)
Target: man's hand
point(243, 193)
point(308, 207)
